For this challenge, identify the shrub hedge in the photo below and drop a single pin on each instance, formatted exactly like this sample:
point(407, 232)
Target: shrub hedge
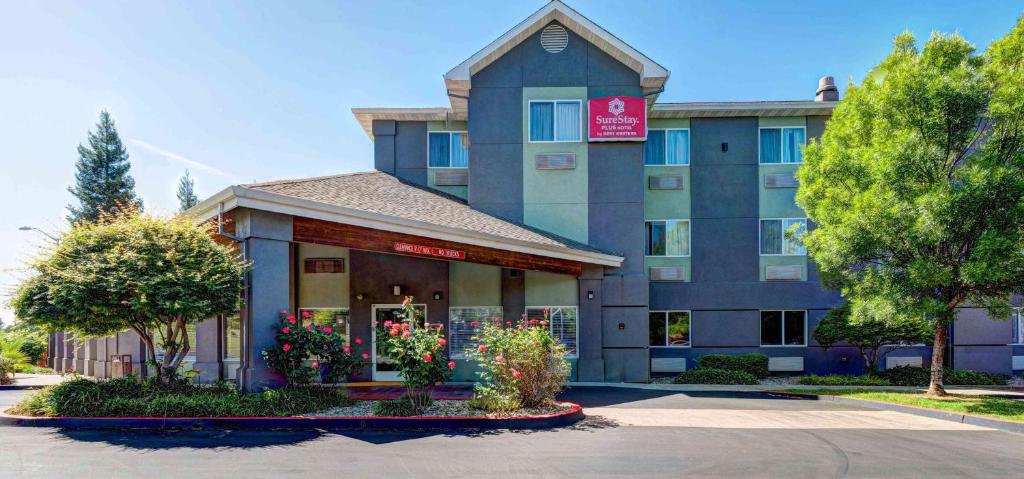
point(843, 380)
point(704, 375)
point(130, 396)
point(754, 364)
point(920, 376)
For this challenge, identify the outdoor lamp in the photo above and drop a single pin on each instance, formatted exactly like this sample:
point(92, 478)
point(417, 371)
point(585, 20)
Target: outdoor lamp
point(590, 295)
point(437, 295)
point(396, 290)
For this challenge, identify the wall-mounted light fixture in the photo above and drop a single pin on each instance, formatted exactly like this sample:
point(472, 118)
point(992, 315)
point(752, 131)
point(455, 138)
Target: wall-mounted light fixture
point(725, 147)
point(437, 295)
point(590, 295)
point(359, 296)
point(396, 290)
point(622, 326)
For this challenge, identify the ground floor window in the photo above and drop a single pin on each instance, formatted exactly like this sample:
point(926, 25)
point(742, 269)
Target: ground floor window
point(784, 328)
point(233, 336)
point(337, 318)
point(463, 324)
point(563, 321)
point(669, 328)
point(1017, 319)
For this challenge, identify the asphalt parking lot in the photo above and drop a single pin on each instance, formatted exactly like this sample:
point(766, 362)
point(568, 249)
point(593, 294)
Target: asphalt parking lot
point(630, 433)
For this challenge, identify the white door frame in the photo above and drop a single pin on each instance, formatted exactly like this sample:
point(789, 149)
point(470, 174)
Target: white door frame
point(385, 375)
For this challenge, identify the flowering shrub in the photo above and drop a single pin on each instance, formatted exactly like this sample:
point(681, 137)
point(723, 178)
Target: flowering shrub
point(418, 354)
point(522, 365)
point(309, 353)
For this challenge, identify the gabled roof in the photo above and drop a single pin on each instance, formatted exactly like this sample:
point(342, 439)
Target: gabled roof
point(381, 201)
point(457, 80)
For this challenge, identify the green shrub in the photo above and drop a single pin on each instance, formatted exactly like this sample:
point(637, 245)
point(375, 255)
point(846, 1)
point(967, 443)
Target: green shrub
point(704, 375)
point(919, 376)
point(501, 404)
point(393, 407)
point(417, 353)
point(754, 364)
point(843, 380)
point(130, 396)
point(7, 368)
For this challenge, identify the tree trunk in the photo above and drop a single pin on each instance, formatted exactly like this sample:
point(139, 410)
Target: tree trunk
point(938, 350)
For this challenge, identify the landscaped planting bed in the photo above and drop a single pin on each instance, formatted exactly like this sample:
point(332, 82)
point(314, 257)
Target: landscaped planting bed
point(445, 408)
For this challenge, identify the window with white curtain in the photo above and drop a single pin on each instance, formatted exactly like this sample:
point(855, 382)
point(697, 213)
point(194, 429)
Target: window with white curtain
point(668, 238)
point(562, 320)
point(667, 147)
point(556, 121)
point(448, 149)
point(776, 242)
point(461, 329)
point(782, 145)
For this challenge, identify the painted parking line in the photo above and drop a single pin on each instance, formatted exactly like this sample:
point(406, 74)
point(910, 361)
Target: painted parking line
point(762, 419)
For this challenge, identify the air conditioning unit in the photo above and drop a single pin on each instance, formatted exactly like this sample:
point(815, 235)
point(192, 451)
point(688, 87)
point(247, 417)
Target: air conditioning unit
point(664, 273)
point(665, 182)
point(555, 161)
point(451, 178)
point(780, 180)
point(783, 273)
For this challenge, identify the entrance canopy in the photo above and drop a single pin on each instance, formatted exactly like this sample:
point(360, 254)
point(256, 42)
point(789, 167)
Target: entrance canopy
point(375, 211)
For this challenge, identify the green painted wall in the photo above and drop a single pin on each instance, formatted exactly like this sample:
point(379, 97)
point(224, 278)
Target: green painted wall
point(323, 290)
point(666, 204)
point(451, 126)
point(549, 289)
point(779, 202)
point(668, 123)
point(676, 262)
point(769, 121)
point(473, 284)
point(784, 261)
point(556, 200)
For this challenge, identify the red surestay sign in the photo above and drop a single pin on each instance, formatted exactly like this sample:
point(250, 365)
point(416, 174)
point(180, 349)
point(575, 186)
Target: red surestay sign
point(429, 251)
point(617, 118)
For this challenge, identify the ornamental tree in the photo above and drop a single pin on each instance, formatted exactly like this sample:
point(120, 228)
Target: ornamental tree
point(874, 336)
point(137, 272)
point(917, 185)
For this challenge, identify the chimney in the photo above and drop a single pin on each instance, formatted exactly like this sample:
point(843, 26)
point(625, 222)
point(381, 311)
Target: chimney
point(827, 90)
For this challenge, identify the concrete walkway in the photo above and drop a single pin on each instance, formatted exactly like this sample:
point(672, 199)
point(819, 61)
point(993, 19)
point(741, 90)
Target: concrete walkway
point(37, 380)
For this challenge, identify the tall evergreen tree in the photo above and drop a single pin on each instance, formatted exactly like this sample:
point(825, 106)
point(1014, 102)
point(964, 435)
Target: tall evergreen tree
point(102, 179)
point(186, 192)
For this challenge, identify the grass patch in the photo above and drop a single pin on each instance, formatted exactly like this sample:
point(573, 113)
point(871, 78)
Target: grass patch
point(842, 380)
point(987, 406)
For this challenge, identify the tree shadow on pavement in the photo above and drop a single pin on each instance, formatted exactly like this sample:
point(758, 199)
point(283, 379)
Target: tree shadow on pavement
point(191, 439)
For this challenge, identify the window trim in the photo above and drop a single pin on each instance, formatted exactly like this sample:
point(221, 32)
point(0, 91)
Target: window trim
point(782, 329)
point(689, 314)
point(689, 238)
point(554, 126)
point(689, 146)
point(759, 220)
point(551, 325)
point(782, 150)
point(462, 355)
point(450, 142)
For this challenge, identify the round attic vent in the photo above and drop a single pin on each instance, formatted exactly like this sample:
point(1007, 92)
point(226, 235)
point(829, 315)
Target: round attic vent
point(554, 38)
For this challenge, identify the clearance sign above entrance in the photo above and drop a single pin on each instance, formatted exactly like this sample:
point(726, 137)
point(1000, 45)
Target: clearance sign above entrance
point(429, 251)
point(617, 118)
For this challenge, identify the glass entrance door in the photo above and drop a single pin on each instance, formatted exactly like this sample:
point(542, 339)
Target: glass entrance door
point(383, 368)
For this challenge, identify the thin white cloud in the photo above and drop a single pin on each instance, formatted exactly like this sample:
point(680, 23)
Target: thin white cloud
point(170, 155)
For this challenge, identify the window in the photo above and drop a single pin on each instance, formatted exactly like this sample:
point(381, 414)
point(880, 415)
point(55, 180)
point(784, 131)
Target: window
point(448, 149)
point(563, 324)
point(667, 147)
point(782, 145)
point(461, 330)
point(1017, 319)
point(775, 241)
point(233, 336)
point(556, 121)
point(783, 328)
point(669, 328)
point(668, 238)
point(337, 318)
point(159, 336)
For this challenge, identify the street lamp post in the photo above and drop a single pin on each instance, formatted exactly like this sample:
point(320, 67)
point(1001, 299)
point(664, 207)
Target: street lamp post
point(33, 228)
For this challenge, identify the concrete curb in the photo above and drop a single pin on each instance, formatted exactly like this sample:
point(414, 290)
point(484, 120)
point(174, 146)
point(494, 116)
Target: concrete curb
point(20, 387)
point(932, 413)
point(564, 418)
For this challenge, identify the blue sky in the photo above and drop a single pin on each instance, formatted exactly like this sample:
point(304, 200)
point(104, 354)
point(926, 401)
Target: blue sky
point(245, 91)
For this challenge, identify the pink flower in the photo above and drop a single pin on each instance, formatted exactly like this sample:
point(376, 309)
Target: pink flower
point(534, 321)
point(406, 302)
point(543, 323)
point(285, 330)
point(394, 332)
point(426, 325)
point(508, 323)
point(474, 323)
point(309, 327)
point(516, 374)
point(428, 358)
point(328, 330)
point(441, 341)
point(284, 311)
point(287, 347)
point(482, 348)
point(305, 315)
point(406, 335)
point(291, 319)
point(347, 349)
point(387, 324)
point(315, 365)
point(500, 359)
point(366, 356)
point(319, 327)
point(359, 341)
point(451, 364)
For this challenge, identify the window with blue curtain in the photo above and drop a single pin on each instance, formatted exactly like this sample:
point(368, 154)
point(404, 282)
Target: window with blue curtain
point(440, 149)
point(542, 121)
point(654, 148)
point(567, 121)
point(677, 147)
point(792, 140)
point(771, 145)
point(460, 150)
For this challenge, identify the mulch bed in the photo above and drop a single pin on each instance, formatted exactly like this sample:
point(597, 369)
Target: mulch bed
point(441, 408)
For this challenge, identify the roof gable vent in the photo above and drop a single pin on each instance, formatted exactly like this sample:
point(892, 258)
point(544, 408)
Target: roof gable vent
point(554, 38)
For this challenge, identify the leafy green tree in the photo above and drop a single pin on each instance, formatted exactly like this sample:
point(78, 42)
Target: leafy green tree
point(186, 192)
point(917, 185)
point(873, 336)
point(133, 272)
point(102, 179)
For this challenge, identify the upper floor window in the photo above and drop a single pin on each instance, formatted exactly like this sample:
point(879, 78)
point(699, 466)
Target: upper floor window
point(782, 145)
point(448, 149)
point(668, 238)
point(775, 241)
point(667, 147)
point(556, 121)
